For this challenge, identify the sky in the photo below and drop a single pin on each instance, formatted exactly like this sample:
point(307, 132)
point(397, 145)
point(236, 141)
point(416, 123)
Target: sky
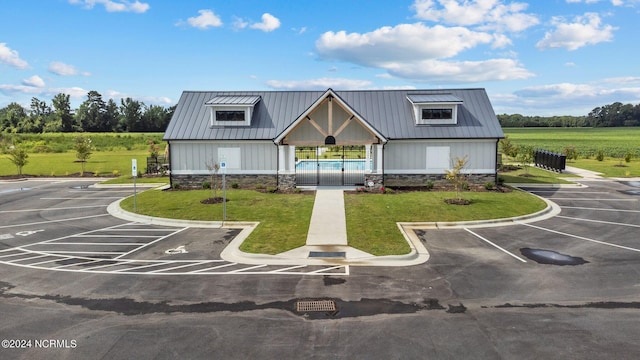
point(545, 57)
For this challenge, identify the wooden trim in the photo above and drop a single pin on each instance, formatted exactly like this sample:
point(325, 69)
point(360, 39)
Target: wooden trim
point(315, 125)
point(344, 125)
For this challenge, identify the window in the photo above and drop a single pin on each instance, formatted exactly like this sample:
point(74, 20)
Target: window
point(232, 110)
point(437, 114)
point(435, 109)
point(230, 115)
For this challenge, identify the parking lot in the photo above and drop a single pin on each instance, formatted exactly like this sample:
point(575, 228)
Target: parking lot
point(564, 287)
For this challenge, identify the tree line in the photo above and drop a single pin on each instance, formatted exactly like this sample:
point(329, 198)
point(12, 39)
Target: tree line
point(93, 115)
point(612, 115)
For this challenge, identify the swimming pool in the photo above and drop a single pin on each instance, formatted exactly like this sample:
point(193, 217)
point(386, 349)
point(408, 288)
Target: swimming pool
point(331, 165)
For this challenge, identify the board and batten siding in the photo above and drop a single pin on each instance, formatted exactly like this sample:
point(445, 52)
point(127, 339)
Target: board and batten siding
point(246, 157)
point(410, 157)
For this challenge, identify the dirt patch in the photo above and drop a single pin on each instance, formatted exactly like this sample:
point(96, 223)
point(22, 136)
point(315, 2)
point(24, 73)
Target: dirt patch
point(213, 200)
point(458, 201)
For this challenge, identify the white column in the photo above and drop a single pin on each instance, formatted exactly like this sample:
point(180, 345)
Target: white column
point(379, 158)
point(281, 159)
point(292, 159)
point(367, 166)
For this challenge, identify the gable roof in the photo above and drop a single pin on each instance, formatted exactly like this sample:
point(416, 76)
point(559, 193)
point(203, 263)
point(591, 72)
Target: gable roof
point(387, 112)
point(328, 93)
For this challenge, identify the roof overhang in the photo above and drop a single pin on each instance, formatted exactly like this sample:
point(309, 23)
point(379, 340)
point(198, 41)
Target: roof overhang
point(343, 104)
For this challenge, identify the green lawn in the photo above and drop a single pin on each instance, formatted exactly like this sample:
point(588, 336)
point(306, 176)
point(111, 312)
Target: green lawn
point(614, 142)
point(101, 163)
point(538, 176)
point(609, 167)
point(371, 218)
point(128, 179)
point(284, 218)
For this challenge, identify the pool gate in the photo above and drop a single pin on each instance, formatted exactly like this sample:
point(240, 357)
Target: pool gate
point(330, 165)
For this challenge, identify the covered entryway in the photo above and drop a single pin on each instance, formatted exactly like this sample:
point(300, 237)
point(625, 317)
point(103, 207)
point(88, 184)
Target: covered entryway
point(331, 166)
point(329, 144)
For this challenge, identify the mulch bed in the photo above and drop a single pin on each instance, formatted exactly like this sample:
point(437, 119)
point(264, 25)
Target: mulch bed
point(213, 200)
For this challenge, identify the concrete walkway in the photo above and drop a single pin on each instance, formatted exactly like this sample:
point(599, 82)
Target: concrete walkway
point(328, 224)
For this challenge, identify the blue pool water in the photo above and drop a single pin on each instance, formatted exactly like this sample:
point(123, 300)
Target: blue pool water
point(312, 165)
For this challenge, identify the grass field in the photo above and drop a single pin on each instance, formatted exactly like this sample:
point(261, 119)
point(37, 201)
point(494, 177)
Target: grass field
point(63, 142)
point(615, 142)
point(103, 163)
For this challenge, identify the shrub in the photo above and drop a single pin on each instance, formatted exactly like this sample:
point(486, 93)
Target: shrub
point(387, 190)
point(206, 185)
point(18, 156)
point(429, 185)
point(235, 185)
point(627, 157)
point(489, 185)
point(570, 152)
point(600, 155)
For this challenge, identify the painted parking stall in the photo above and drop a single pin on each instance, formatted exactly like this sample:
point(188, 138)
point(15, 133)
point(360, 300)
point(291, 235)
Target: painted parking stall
point(47, 237)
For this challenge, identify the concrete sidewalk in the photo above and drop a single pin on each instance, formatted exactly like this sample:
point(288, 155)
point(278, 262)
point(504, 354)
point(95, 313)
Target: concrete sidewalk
point(328, 224)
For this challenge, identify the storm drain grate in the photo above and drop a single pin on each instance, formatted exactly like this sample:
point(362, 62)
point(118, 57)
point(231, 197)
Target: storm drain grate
point(315, 305)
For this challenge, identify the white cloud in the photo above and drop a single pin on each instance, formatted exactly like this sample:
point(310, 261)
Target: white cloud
point(239, 23)
point(613, 2)
point(436, 71)
point(269, 23)
point(35, 81)
point(205, 20)
point(9, 89)
point(11, 57)
point(416, 52)
point(319, 84)
point(622, 80)
point(584, 30)
point(486, 14)
point(62, 69)
point(115, 5)
point(567, 98)
point(408, 42)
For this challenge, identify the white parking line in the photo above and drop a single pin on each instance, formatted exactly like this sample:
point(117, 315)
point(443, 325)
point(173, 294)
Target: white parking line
point(599, 209)
point(580, 237)
point(576, 199)
point(211, 268)
point(81, 198)
point(346, 269)
point(246, 269)
point(27, 258)
point(54, 221)
point(496, 246)
point(151, 243)
point(95, 243)
point(53, 209)
point(598, 221)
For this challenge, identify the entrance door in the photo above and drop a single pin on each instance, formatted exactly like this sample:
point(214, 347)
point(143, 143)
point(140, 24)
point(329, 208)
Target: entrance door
point(330, 165)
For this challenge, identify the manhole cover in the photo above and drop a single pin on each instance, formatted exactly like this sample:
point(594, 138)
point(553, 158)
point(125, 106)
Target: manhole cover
point(315, 305)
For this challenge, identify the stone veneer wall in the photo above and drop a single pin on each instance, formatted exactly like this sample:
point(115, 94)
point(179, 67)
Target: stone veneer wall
point(286, 181)
point(421, 179)
point(195, 181)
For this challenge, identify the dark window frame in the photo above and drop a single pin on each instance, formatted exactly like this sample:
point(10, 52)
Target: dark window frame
point(437, 114)
point(230, 115)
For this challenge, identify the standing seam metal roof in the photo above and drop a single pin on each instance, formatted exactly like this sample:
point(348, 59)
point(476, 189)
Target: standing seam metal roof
point(390, 112)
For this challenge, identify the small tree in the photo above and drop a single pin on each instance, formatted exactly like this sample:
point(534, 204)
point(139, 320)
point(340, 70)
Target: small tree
point(525, 157)
point(154, 149)
point(456, 176)
point(83, 151)
point(570, 152)
point(18, 156)
point(213, 168)
point(508, 148)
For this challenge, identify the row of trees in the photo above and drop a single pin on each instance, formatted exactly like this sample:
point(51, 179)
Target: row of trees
point(93, 115)
point(612, 115)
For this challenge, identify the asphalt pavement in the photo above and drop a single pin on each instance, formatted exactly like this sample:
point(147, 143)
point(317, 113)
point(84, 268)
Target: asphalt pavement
point(78, 283)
